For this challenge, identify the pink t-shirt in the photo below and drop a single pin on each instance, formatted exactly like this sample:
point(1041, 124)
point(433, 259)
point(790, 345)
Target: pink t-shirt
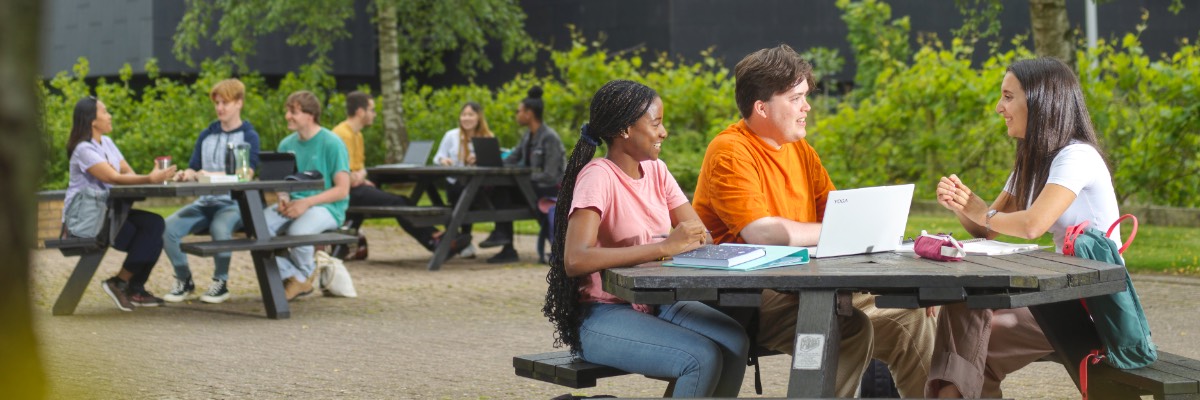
point(631, 211)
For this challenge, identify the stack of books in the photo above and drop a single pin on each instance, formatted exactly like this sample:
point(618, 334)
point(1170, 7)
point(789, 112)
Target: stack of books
point(739, 257)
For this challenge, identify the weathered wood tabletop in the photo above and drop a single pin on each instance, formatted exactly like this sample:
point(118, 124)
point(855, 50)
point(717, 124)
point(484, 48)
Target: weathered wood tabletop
point(1047, 282)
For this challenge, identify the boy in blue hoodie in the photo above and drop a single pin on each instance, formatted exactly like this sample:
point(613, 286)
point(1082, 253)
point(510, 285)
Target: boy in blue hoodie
point(218, 214)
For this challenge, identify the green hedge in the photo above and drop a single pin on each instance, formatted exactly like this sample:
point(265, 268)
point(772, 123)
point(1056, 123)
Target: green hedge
point(918, 118)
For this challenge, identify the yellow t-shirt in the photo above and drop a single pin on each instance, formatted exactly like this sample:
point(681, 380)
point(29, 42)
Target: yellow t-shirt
point(744, 179)
point(354, 144)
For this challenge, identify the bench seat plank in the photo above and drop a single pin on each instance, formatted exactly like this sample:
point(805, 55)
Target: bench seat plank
point(74, 246)
point(274, 243)
point(399, 211)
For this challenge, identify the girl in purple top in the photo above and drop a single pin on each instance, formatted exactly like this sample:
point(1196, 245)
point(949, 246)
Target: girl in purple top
point(95, 163)
point(610, 212)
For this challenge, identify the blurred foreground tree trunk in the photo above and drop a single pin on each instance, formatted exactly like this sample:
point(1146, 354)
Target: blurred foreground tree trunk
point(1052, 35)
point(395, 130)
point(20, 171)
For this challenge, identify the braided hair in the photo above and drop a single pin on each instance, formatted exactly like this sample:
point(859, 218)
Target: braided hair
point(615, 107)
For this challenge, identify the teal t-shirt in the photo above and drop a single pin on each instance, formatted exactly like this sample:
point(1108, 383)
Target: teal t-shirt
point(326, 153)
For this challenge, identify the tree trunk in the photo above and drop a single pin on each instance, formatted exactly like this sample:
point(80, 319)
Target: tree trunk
point(20, 174)
point(395, 133)
point(1052, 36)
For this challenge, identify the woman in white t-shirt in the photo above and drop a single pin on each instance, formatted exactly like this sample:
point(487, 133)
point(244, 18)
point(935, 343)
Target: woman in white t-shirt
point(455, 149)
point(611, 213)
point(1059, 179)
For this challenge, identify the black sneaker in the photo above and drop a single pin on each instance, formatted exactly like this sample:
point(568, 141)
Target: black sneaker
point(218, 292)
point(142, 298)
point(495, 239)
point(182, 291)
point(505, 256)
point(115, 288)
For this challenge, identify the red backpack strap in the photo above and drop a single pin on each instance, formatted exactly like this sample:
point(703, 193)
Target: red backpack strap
point(1069, 239)
point(1092, 358)
point(1132, 233)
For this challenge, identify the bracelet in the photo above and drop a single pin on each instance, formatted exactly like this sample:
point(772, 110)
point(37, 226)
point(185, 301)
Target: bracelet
point(987, 222)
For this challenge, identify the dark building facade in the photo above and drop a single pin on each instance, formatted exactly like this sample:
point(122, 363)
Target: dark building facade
point(111, 33)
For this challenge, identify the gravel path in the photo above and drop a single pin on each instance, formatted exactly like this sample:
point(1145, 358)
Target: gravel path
point(410, 334)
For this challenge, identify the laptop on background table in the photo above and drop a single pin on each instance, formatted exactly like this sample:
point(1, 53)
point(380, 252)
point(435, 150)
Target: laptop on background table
point(417, 154)
point(861, 221)
point(273, 166)
point(487, 152)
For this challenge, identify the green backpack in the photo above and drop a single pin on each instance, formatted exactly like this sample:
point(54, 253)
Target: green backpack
point(1120, 320)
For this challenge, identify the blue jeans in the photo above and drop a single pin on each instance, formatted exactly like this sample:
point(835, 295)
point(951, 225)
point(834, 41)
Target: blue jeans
point(220, 218)
point(700, 346)
point(299, 263)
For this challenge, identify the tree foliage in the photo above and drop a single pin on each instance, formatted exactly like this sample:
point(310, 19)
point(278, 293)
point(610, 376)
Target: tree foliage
point(428, 29)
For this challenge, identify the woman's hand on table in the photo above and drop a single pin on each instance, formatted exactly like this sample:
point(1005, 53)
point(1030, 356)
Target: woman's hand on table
point(686, 236)
point(158, 175)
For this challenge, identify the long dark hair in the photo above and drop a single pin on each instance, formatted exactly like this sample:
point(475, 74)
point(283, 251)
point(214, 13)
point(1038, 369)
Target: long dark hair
point(1057, 115)
point(81, 123)
point(615, 107)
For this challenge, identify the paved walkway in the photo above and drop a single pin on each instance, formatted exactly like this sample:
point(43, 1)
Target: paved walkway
point(410, 334)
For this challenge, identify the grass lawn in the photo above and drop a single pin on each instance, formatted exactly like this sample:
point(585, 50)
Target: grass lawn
point(1157, 249)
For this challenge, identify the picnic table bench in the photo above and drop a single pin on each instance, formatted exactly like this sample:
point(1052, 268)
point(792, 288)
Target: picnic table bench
point(473, 205)
point(261, 244)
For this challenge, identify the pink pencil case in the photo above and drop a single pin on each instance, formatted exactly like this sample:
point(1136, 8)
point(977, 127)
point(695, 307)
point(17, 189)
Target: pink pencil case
point(938, 247)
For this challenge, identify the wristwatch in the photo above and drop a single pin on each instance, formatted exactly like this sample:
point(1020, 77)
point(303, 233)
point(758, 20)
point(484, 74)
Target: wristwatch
point(988, 219)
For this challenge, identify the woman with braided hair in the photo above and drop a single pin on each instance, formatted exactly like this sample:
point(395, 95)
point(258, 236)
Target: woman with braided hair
point(610, 211)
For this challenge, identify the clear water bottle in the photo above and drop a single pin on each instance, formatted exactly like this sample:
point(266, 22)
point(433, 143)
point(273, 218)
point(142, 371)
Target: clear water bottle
point(242, 162)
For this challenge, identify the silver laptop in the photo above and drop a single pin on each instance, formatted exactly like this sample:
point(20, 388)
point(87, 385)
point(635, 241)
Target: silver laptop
point(417, 154)
point(866, 220)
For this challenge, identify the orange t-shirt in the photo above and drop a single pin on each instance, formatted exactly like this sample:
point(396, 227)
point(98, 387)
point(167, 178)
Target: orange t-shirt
point(744, 179)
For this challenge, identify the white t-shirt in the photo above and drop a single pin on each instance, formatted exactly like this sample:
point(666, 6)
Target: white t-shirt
point(1079, 168)
point(448, 149)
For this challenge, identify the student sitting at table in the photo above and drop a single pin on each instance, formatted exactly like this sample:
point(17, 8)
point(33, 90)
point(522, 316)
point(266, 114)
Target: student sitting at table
point(360, 113)
point(456, 149)
point(761, 182)
point(541, 149)
point(217, 214)
point(610, 211)
point(311, 211)
point(1059, 179)
point(95, 164)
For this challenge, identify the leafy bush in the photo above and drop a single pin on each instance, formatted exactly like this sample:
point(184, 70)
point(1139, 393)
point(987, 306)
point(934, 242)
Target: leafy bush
point(912, 118)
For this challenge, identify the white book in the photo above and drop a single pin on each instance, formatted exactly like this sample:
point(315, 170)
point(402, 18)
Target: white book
point(213, 178)
point(980, 247)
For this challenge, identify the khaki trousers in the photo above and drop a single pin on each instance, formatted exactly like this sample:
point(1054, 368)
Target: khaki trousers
point(777, 331)
point(976, 349)
point(904, 340)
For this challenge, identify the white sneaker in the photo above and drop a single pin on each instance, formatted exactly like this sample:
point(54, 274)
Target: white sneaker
point(182, 291)
point(468, 252)
point(218, 292)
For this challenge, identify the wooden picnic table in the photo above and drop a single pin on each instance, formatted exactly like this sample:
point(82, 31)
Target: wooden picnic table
point(471, 206)
point(1048, 283)
point(262, 245)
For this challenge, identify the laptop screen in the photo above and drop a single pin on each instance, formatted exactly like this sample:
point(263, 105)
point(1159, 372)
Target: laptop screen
point(274, 166)
point(487, 152)
point(418, 152)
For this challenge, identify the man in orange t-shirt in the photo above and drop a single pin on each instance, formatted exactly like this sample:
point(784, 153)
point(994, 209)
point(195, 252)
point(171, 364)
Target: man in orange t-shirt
point(762, 183)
